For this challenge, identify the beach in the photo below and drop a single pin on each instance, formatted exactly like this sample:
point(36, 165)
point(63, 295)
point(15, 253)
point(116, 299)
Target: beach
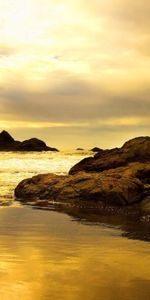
point(53, 253)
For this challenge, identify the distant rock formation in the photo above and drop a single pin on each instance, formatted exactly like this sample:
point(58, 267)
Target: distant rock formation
point(6, 140)
point(7, 143)
point(96, 149)
point(117, 177)
point(79, 149)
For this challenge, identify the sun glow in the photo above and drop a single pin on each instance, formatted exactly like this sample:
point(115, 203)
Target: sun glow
point(38, 125)
point(28, 22)
point(15, 25)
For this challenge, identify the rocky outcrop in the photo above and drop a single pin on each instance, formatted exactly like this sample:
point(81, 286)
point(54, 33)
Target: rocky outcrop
point(96, 149)
point(7, 143)
point(117, 177)
point(34, 145)
point(135, 150)
point(121, 186)
point(109, 188)
point(79, 149)
point(6, 140)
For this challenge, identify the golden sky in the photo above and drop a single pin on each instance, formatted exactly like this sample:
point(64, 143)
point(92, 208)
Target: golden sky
point(75, 73)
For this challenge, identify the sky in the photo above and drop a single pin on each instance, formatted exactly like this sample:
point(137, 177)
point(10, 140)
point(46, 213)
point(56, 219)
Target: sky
point(75, 73)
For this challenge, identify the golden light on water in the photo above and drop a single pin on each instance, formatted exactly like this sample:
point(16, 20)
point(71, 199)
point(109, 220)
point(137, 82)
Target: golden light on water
point(46, 262)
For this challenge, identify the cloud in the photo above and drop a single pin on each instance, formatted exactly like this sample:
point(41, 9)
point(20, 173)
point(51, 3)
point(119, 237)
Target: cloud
point(77, 64)
point(76, 101)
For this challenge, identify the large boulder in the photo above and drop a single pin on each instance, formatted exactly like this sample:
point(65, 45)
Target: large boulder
point(135, 150)
point(121, 186)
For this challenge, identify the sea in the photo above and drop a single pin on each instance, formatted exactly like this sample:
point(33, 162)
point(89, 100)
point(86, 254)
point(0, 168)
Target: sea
point(65, 254)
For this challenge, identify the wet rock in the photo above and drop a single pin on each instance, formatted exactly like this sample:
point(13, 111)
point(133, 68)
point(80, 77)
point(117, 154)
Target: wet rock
point(145, 205)
point(109, 188)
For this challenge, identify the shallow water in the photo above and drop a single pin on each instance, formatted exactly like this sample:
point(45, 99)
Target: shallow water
point(16, 166)
point(47, 254)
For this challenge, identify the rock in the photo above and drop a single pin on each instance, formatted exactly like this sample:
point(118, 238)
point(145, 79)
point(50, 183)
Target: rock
point(113, 187)
point(6, 140)
point(146, 204)
point(96, 149)
point(79, 149)
point(135, 150)
point(7, 143)
point(101, 161)
point(117, 177)
point(34, 145)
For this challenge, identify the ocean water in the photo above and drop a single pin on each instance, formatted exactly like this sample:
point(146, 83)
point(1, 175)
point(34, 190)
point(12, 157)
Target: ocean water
point(16, 166)
point(65, 255)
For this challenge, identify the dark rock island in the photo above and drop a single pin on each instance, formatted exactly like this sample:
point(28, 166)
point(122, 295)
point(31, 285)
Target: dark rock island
point(96, 149)
point(118, 177)
point(7, 143)
point(79, 149)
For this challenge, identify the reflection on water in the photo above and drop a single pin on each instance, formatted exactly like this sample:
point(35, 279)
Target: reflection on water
point(56, 253)
point(131, 221)
point(45, 255)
